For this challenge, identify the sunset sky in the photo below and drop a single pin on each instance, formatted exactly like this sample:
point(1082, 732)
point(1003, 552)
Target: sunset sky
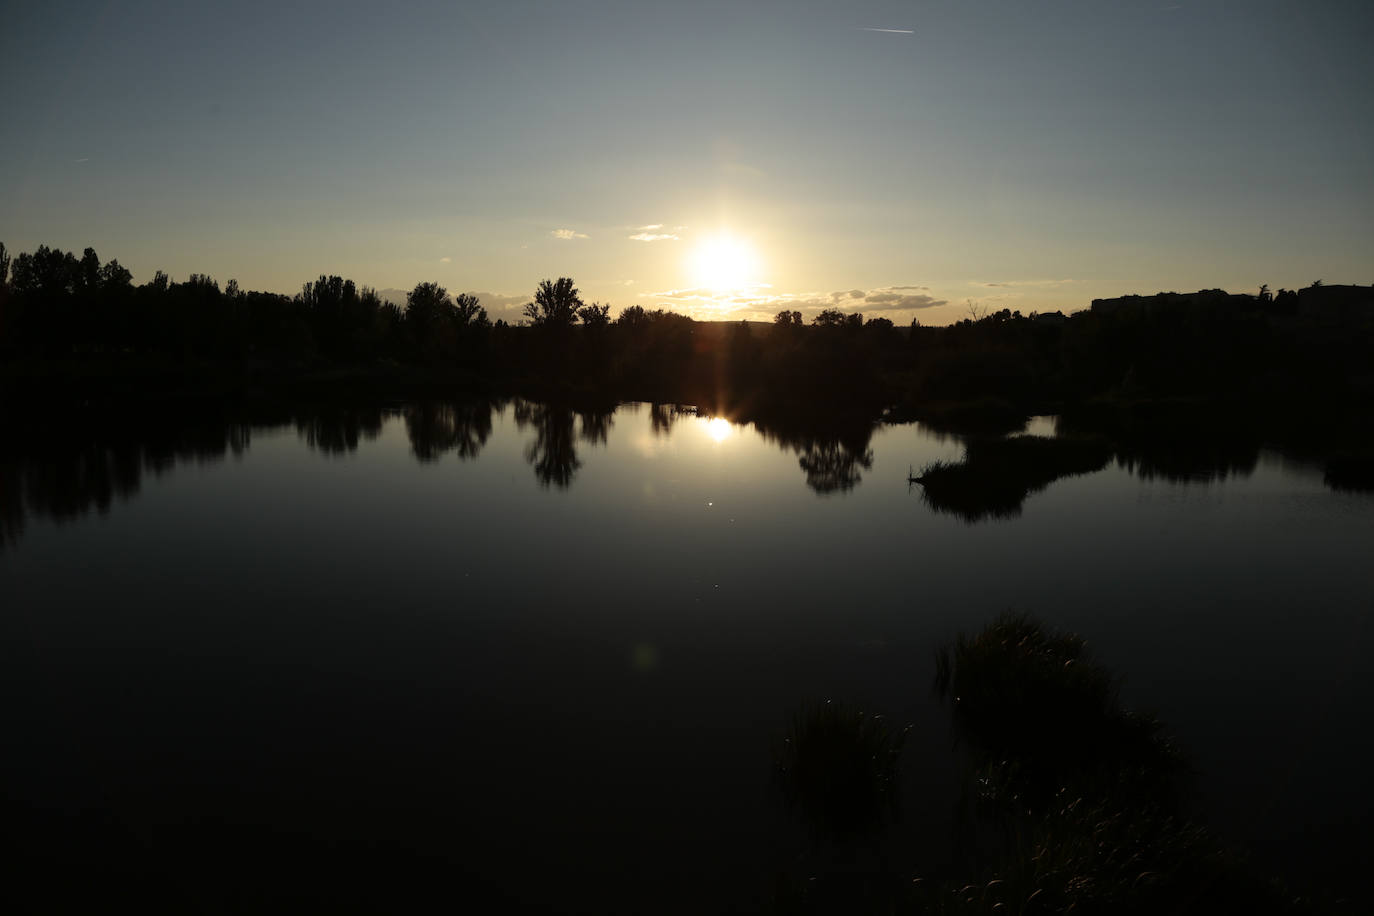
point(725, 159)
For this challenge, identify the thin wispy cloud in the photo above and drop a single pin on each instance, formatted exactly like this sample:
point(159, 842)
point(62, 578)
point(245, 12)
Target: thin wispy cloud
point(656, 232)
point(1008, 284)
point(888, 31)
point(446, 260)
point(567, 234)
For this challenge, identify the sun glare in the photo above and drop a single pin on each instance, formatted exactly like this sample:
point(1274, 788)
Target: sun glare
point(718, 428)
point(724, 263)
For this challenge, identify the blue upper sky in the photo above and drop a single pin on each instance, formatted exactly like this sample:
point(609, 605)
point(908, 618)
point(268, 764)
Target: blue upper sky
point(996, 152)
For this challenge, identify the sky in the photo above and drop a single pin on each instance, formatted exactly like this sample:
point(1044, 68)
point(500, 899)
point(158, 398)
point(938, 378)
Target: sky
point(909, 160)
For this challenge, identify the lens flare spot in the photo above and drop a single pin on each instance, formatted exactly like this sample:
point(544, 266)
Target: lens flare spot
point(644, 658)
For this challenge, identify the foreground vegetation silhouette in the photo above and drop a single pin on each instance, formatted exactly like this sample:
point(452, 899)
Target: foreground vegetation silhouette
point(837, 768)
point(1071, 803)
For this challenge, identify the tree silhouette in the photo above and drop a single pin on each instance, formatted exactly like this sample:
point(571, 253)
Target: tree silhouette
point(556, 304)
point(829, 318)
point(427, 304)
point(4, 293)
point(468, 312)
point(595, 315)
point(437, 323)
point(632, 317)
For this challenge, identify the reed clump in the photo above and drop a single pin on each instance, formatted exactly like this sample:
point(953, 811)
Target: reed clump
point(838, 767)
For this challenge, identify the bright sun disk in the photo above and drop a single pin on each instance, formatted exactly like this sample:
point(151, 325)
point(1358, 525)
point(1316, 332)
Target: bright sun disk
point(724, 263)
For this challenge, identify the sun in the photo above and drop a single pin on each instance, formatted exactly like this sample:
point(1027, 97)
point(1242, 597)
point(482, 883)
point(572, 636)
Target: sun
point(724, 263)
point(718, 428)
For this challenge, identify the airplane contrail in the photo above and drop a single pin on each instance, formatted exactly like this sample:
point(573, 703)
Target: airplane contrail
point(889, 31)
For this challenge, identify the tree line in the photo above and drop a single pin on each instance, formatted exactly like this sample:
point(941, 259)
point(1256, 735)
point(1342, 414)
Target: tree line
point(56, 307)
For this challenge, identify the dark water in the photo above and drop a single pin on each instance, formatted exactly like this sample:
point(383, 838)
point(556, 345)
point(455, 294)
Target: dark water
point(373, 657)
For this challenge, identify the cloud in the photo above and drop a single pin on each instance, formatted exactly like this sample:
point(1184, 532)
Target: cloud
point(510, 308)
point(897, 302)
point(693, 294)
point(446, 260)
point(656, 232)
point(886, 299)
point(761, 303)
point(566, 234)
point(1007, 284)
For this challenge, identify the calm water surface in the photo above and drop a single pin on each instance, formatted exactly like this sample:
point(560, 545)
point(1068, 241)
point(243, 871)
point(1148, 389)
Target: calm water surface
point(543, 655)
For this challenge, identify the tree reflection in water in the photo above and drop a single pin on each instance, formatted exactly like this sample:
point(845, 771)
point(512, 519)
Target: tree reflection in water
point(596, 424)
point(436, 428)
point(553, 452)
point(832, 454)
point(662, 417)
point(832, 466)
point(65, 464)
point(996, 475)
point(1178, 444)
point(338, 430)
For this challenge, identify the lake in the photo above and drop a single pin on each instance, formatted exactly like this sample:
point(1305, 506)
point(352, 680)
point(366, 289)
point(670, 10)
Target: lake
point(367, 657)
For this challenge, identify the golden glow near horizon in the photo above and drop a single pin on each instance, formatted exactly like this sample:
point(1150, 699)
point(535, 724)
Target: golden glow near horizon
point(724, 263)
